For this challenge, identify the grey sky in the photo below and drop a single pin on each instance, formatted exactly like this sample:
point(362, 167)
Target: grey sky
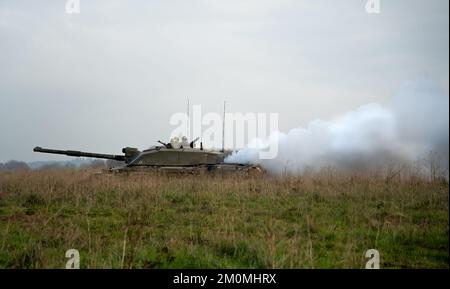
point(113, 75)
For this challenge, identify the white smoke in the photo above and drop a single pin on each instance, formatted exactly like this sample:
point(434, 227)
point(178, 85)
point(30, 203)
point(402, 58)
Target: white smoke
point(415, 124)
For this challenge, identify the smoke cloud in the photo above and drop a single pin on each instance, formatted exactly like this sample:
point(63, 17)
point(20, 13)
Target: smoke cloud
point(414, 125)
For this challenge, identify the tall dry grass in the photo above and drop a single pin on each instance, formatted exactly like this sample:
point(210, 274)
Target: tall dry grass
point(325, 219)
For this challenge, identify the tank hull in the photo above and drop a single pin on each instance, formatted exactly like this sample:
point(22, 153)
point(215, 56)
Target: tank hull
point(224, 168)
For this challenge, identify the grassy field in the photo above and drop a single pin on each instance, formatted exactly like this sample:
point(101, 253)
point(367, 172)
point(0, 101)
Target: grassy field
point(160, 221)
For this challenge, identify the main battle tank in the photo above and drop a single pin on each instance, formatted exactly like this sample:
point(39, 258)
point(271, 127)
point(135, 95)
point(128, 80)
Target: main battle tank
point(178, 156)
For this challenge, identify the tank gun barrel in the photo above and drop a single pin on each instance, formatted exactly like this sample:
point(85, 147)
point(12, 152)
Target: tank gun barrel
point(163, 143)
point(81, 154)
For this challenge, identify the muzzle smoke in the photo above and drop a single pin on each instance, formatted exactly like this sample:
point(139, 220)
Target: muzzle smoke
point(415, 126)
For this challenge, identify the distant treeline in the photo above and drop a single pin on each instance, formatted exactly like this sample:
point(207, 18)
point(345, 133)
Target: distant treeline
point(14, 165)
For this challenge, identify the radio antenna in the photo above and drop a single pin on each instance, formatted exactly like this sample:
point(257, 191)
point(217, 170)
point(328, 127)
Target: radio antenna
point(188, 128)
point(223, 128)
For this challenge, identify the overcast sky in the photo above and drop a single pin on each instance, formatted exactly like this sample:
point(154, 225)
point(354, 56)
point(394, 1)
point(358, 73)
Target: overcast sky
point(113, 75)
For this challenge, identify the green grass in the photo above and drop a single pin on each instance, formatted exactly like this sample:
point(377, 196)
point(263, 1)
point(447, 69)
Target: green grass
point(220, 222)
